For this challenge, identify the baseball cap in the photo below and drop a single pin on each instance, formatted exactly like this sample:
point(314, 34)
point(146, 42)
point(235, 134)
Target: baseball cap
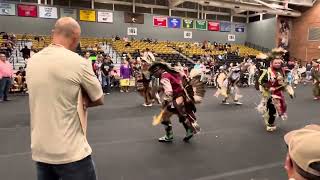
point(304, 147)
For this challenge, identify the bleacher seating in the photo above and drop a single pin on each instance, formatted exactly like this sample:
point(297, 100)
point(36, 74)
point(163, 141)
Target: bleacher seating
point(192, 50)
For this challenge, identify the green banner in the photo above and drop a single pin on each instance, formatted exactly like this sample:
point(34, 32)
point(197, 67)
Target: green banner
point(188, 23)
point(201, 25)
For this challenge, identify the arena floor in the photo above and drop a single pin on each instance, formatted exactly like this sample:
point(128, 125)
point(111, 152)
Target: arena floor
point(232, 146)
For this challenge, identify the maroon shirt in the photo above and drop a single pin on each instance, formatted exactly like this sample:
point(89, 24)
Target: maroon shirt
point(175, 81)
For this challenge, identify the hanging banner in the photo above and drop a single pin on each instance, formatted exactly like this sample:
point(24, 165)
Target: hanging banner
point(188, 23)
point(27, 10)
point(239, 27)
point(284, 30)
point(67, 12)
point(213, 26)
point(7, 9)
point(88, 15)
point(48, 12)
point(132, 31)
point(231, 37)
point(160, 21)
point(187, 34)
point(174, 22)
point(105, 17)
point(201, 24)
point(225, 26)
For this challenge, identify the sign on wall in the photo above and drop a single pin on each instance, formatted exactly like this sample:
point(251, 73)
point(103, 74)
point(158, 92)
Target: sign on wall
point(67, 12)
point(239, 28)
point(105, 17)
point(48, 12)
point(201, 25)
point(160, 21)
point(187, 34)
point(225, 27)
point(7, 9)
point(87, 15)
point(188, 23)
point(25, 10)
point(132, 31)
point(231, 37)
point(174, 22)
point(213, 26)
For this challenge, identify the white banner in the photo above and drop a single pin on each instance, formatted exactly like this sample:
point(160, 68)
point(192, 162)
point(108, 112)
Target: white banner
point(231, 37)
point(187, 34)
point(48, 12)
point(67, 12)
point(106, 17)
point(7, 9)
point(132, 31)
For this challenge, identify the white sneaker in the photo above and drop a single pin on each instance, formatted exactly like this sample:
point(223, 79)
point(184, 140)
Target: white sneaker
point(121, 91)
point(147, 105)
point(226, 103)
point(237, 103)
point(271, 128)
point(284, 117)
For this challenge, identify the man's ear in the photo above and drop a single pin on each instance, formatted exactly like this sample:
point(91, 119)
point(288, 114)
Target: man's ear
point(288, 165)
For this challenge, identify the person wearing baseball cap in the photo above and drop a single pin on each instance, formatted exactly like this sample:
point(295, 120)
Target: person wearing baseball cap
point(303, 159)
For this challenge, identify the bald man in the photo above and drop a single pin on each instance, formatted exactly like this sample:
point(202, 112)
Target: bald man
point(61, 86)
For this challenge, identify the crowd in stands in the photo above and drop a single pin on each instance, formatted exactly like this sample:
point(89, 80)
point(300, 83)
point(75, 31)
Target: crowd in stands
point(211, 57)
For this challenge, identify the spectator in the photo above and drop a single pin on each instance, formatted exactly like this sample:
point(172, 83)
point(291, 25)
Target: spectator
point(106, 68)
point(308, 71)
point(303, 158)
point(61, 87)
point(117, 38)
point(25, 52)
point(252, 71)
point(238, 51)
point(125, 74)
point(97, 68)
point(87, 55)
point(6, 73)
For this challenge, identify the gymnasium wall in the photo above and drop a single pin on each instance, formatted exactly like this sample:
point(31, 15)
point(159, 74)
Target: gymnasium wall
point(262, 33)
point(300, 46)
point(93, 29)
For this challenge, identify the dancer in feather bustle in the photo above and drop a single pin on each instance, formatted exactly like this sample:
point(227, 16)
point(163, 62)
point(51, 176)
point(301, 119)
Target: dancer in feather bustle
point(145, 84)
point(272, 85)
point(227, 85)
point(180, 96)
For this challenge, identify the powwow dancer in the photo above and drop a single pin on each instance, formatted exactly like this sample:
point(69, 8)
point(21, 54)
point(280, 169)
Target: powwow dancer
point(227, 85)
point(145, 86)
point(180, 96)
point(272, 85)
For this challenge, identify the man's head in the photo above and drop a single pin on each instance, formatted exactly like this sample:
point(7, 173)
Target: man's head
point(67, 33)
point(3, 56)
point(303, 159)
point(157, 69)
point(276, 63)
point(87, 55)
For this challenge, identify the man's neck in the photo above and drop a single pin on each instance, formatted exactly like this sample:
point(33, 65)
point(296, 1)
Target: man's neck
point(60, 42)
